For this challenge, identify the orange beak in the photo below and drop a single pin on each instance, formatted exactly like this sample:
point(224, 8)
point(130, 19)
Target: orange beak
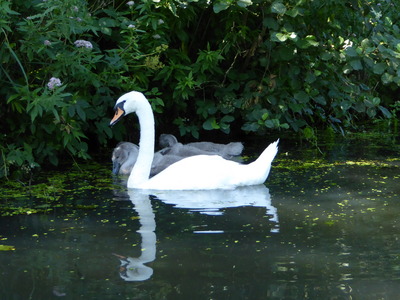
point(119, 113)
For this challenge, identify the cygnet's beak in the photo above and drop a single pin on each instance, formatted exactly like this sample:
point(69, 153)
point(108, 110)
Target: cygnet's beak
point(119, 113)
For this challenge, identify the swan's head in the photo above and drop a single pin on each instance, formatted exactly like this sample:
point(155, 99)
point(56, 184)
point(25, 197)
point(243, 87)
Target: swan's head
point(128, 103)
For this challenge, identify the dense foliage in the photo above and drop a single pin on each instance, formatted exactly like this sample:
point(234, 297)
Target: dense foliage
point(225, 65)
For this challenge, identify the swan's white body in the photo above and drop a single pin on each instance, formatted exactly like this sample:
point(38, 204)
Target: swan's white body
point(202, 172)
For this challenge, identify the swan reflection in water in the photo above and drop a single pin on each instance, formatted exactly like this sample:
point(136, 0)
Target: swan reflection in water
point(204, 201)
point(134, 268)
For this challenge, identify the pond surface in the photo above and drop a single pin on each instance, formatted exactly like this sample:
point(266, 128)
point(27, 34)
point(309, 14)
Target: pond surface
point(326, 228)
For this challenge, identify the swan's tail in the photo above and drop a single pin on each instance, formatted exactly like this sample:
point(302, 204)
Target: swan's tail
point(268, 155)
point(262, 165)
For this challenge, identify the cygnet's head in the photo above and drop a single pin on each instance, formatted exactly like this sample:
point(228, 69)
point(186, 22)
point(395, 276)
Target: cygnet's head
point(167, 140)
point(124, 157)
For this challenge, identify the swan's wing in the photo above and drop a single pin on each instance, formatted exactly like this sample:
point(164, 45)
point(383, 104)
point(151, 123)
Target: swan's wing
point(197, 172)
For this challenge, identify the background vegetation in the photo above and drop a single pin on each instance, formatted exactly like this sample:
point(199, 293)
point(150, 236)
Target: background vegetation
point(225, 65)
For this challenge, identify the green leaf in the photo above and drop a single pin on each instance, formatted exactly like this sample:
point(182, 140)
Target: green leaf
point(376, 101)
point(371, 112)
point(271, 23)
point(55, 113)
point(279, 37)
point(302, 97)
point(227, 119)
point(308, 41)
point(251, 127)
point(293, 13)
point(278, 8)
point(244, 3)
point(107, 22)
point(18, 61)
point(308, 132)
point(320, 100)
point(295, 107)
point(312, 40)
point(272, 123)
point(351, 51)
point(36, 110)
point(284, 126)
point(220, 6)
point(379, 68)
point(385, 112)
point(388, 22)
point(71, 111)
point(356, 64)
point(326, 56)
point(210, 124)
point(310, 77)
point(387, 78)
point(106, 30)
point(81, 113)
point(172, 8)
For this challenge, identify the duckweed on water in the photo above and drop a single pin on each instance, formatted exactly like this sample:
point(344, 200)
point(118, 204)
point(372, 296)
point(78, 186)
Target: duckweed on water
point(6, 247)
point(349, 189)
point(58, 189)
point(54, 190)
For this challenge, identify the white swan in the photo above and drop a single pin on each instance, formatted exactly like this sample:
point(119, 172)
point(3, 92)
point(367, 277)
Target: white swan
point(200, 172)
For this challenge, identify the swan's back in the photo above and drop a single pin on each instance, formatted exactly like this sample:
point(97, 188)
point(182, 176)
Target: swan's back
point(205, 172)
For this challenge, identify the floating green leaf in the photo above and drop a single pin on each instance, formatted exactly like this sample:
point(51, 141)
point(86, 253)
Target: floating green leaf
point(6, 248)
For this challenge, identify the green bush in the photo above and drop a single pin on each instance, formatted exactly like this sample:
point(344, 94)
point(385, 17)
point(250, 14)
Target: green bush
point(266, 65)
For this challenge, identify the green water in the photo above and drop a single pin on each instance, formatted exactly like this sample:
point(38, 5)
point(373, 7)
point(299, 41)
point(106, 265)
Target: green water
point(323, 228)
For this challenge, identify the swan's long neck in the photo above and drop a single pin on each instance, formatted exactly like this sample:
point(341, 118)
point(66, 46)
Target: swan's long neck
point(141, 171)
